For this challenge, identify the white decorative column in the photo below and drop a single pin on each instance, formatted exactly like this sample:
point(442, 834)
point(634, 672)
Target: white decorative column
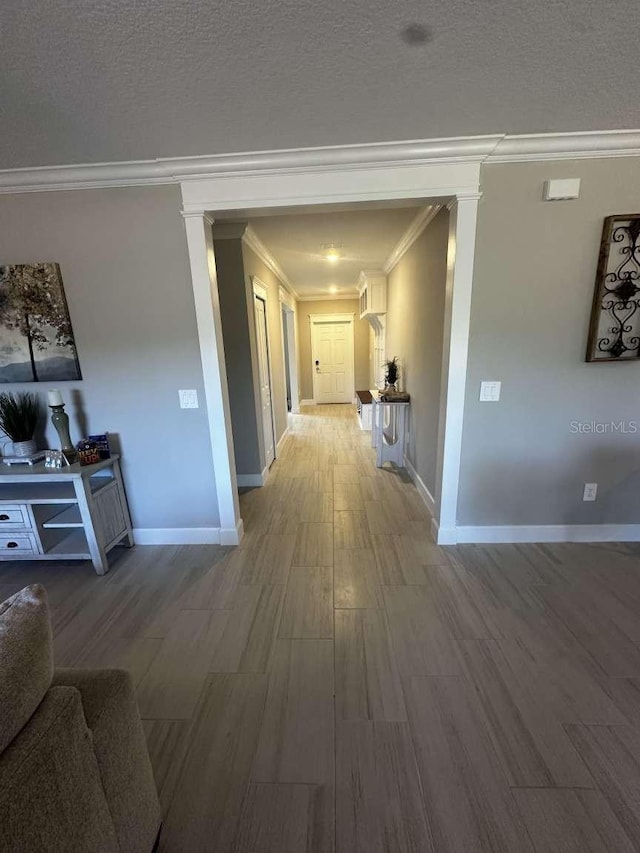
point(207, 305)
point(463, 213)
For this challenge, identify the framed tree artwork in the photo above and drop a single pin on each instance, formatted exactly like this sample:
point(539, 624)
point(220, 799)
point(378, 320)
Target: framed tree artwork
point(614, 332)
point(36, 338)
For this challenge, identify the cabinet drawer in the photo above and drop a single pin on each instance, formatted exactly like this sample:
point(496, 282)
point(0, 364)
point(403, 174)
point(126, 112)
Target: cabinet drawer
point(14, 517)
point(16, 544)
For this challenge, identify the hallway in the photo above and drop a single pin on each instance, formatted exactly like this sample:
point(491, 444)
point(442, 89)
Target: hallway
point(341, 683)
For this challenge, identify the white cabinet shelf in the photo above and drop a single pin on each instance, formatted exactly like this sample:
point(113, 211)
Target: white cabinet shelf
point(372, 287)
point(73, 513)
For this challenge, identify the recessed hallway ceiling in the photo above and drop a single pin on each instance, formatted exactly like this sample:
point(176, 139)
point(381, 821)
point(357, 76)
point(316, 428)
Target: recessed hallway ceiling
point(88, 81)
point(367, 238)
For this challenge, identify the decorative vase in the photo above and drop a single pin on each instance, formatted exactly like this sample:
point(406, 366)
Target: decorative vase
point(24, 449)
point(60, 420)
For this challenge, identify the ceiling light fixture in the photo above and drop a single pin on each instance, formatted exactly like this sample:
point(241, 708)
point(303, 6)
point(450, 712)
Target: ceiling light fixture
point(331, 252)
point(333, 289)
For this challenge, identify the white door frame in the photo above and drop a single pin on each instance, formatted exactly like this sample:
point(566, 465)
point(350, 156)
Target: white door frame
point(334, 318)
point(288, 306)
point(328, 177)
point(260, 290)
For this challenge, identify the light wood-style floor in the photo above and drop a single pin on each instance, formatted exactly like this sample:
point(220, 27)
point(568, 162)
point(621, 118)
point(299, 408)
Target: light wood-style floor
point(341, 683)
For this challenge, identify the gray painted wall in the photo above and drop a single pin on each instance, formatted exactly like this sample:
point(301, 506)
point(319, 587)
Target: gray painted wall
point(415, 326)
point(232, 289)
point(254, 266)
point(533, 286)
point(125, 268)
point(360, 341)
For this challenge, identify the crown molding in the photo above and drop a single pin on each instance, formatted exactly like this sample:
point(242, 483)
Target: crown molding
point(417, 225)
point(251, 239)
point(328, 297)
point(497, 148)
point(584, 145)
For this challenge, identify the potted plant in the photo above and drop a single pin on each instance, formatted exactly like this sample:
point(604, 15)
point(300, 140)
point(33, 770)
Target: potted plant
point(391, 375)
point(19, 415)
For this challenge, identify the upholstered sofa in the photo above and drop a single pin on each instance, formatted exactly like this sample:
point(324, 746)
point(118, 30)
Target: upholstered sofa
point(75, 775)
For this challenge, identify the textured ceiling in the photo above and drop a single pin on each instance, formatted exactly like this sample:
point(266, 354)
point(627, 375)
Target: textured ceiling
point(100, 80)
point(367, 236)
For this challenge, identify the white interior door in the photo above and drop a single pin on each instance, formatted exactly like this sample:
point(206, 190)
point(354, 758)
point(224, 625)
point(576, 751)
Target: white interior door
point(260, 308)
point(332, 359)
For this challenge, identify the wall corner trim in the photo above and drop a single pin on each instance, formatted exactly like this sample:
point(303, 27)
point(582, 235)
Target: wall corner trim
point(232, 535)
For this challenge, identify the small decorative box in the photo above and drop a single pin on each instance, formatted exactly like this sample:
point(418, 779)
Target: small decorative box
point(102, 443)
point(88, 453)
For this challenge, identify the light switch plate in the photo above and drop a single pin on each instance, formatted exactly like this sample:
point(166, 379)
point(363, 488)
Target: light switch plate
point(590, 492)
point(188, 399)
point(490, 392)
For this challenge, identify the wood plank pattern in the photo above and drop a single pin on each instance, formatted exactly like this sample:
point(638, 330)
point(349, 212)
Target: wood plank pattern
point(566, 820)
point(245, 644)
point(465, 699)
point(375, 765)
point(314, 544)
point(466, 796)
point(278, 818)
point(296, 742)
point(308, 605)
point(355, 579)
point(612, 754)
point(367, 682)
point(172, 685)
point(529, 738)
point(216, 767)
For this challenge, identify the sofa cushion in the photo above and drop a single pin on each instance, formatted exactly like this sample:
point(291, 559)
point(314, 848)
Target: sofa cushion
point(26, 659)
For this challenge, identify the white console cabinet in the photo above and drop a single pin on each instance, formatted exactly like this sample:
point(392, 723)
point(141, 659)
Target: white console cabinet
point(72, 513)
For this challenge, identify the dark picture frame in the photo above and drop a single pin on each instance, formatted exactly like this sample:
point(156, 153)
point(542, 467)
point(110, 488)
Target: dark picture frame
point(37, 343)
point(614, 330)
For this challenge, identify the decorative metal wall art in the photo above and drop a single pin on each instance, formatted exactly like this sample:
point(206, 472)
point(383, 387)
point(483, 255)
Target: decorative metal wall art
point(614, 332)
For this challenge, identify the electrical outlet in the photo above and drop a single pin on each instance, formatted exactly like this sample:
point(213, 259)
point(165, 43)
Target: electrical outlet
point(188, 399)
point(490, 392)
point(590, 491)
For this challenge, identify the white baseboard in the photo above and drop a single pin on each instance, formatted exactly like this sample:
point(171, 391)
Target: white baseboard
point(283, 438)
point(435, 532)
point(189, 535)
point(423, 491)
point(245, 480)
point(541, 533)
point(307, 403)
point(177, 535)
point(232, 535)
point(444, 535)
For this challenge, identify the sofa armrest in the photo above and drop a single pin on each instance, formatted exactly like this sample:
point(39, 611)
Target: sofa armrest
point(111, 711)
point(51, 793)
